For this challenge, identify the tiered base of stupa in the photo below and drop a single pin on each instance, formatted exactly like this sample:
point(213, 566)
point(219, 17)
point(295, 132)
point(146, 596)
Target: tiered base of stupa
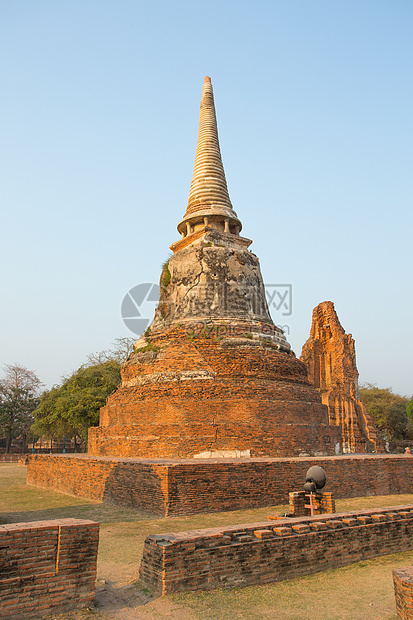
point(222, 388)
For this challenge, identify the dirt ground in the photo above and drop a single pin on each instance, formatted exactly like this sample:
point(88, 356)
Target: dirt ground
point(362, 591)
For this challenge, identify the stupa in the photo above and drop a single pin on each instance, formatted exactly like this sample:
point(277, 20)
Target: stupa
point(212, 376)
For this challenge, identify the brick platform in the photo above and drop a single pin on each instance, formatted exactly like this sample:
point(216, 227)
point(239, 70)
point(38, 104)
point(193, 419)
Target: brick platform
point(258, 553)
point(191, 486)
point(403, 592)
point(47, 565)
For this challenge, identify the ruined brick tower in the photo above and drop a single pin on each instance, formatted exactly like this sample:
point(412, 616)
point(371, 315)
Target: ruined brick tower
point(330, 357)
point(213, 376)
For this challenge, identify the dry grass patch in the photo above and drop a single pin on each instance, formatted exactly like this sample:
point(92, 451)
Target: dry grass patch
point(362, 591)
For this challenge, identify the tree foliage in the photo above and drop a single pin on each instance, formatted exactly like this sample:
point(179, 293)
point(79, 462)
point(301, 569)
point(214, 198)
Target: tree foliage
point(70, 409)
point(409, 412)
point(391, 413)
point(19, 397)
point(120, 350)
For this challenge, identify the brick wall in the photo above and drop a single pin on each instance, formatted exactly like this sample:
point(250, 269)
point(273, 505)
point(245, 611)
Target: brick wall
point(271, 551)
point(191, 486)
point(260, 482)
point(47, 565)
point(142, 484)
point(403, 592)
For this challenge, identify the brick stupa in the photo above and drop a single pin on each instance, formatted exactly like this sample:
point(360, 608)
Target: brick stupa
point(330, 357)
point(213, 376)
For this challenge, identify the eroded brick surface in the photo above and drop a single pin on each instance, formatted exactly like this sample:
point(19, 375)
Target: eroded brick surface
point(197, 392)
point(330, 357)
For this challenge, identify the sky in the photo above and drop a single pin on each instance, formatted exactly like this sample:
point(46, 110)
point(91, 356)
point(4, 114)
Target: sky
point(99, 119)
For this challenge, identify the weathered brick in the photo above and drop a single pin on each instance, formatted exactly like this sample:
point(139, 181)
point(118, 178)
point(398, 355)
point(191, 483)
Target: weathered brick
point(330, 357)
point(403, 591)
point(189, 486)
point(42, 582)
point(200, 395)
point(265, 559)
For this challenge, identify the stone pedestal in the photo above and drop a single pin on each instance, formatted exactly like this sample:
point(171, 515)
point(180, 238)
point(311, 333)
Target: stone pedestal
point(298, 500)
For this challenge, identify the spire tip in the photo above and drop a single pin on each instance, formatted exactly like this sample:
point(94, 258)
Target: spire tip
point(207, 79)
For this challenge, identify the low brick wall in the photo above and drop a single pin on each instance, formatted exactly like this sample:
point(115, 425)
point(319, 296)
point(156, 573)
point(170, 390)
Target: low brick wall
point(258, 553)
point(403, 591)
point(10, 458)
point(127, 482)
point(190, 486)
point(47, 565)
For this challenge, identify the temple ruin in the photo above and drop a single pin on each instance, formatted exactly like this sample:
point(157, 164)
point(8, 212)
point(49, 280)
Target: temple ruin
point(213, 375)
point(212, 395)
point(330, 357)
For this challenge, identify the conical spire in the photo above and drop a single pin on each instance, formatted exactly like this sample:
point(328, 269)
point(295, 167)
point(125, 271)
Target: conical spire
point(208, 195)
point(209, 186)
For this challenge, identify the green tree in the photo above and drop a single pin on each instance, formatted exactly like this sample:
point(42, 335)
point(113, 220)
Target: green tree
point(387, 409)
point(19, 397)
point(409, 412)
point(70, 409)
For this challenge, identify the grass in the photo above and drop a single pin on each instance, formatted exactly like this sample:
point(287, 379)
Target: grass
point(148, 347)
point(362, 591)
point(166, 274)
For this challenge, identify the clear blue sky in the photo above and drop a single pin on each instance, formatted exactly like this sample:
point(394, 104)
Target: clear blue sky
point(99, 115)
